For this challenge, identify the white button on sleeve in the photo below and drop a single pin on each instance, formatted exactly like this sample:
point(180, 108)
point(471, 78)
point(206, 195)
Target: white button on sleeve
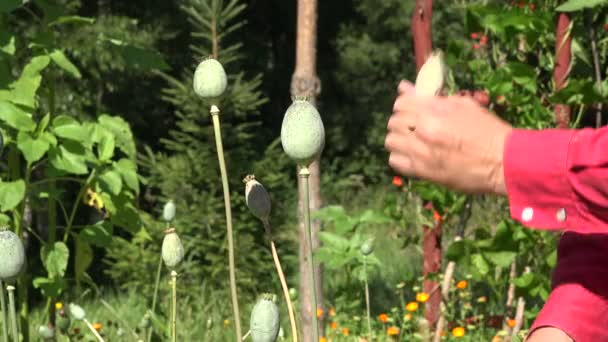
point(527, 214)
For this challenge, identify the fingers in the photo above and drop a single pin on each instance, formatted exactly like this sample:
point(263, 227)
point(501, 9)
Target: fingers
point(402, 164)
point(406, 88)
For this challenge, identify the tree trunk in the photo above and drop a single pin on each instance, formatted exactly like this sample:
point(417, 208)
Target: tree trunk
point(305, 82)
point(431, 244)
point(563, 59)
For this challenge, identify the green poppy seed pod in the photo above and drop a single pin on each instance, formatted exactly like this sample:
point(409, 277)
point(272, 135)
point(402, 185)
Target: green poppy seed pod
point(367, 248)
point(257, 198)
point(302, 132)
point(46, 332)
point(432, 74)
point(169, 211)
point(172, 249)
point(77, 312)
point(264, 323)
point(12, 254)
point(120, 332)
point(63, 321)
point(293, 293)
point(210, 79)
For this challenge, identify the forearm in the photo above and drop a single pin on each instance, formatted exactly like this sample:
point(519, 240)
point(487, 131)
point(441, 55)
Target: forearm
point(558, 179)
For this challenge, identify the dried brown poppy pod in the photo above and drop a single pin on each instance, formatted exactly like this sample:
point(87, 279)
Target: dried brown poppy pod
point(432, 74)
point(12, 254)
point(257, 198)
point(172, 249)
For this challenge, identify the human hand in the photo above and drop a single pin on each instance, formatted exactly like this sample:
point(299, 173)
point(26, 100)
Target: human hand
point(452, 141)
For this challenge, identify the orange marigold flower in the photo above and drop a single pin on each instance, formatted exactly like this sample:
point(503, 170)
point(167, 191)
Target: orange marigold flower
point(436, 216)
point(333, 325)
point(422, 297)
point(511, 323)
point(322, 339)
point(397, 181)
point(345, 331)
point(462, 284)
point(411, 306)
point(332, 312)
point(383, 318)
point(407, 317)
point(58, 305)
point(319, 312)
point(458, 332)
point(97, 326)
point(392, 331)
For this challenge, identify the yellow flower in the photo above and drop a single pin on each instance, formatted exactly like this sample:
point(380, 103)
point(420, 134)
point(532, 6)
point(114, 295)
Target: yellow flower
point(422, 297)
point(226, 322)
point(392, 331)
point(411, 306)
point(332, 312)
point(458, 332)
point(319, 312)
point(383, 318)
point(58, 305)
point(345, 331)
point(97, 326)
point(92, 199)
point(322, 339)
point(462, 284)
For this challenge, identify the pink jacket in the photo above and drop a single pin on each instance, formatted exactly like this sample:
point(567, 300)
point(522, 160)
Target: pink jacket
point(558, 179)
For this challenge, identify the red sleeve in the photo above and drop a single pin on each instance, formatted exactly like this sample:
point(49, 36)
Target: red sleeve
point(558, 179)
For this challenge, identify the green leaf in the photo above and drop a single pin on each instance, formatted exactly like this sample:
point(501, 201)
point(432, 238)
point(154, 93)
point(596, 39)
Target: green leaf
point(33, 149)
point(577, 5)
point(83, 259)
point(15, 117)
point(43, 124)
point(11, 194)
point(128, 171)
point(110, 181)
point(72, 19)
point(334, 241)
point(7, 6)
point(480, 264)
point(525, 280)
point(49, 287)
point(501, 259)
point(68, 128)
point(68, 158)
point(105, 149)
point(140, 58)
point(457, 250)
point(64, 63)
point(7, 43)
point(98, 234)
point(552, 259)
point(55, 258)
point(122, 133)
point(24, 89)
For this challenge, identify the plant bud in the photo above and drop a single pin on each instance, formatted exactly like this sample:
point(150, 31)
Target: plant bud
point(302, 132)
point(210, 79)
point(145, 322)
point(432, 74)
point(12, 254)
point(257, 198)
point(172, 249)
point(293, 293)
point(63, 321)
point(169, 211)
point(367, 248)
point(46, 332)
point(264, 323)
point(77, 312)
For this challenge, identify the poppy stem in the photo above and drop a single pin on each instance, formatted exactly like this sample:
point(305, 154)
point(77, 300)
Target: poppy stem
point(4, 316)
point(13, 312)
point(369, 322)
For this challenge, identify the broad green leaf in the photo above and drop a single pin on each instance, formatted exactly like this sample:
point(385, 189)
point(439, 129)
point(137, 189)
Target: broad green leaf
point(99, 234)
point(5, 220)
point(11, 194)
point(51, 288)
point(525, 280)
point(334, 241)
point(67, 127)
point(577, 5)
point(15, 117)
point(7, 43)
point(125, 214)
point(110, 181)
point(500, 259)
point(105, 149)
point(44, 123)
point(55, 258)
point(69, 159)
point(480, 264)
point(24, 89)
point(64, 63)
point(128, 171)
point(552, 259)
point(82, 259)
point(33, 149)
point(7, 6)
point(457, 250)
point(122, 133)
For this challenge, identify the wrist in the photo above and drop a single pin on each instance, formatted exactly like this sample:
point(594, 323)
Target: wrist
point(498, 184)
